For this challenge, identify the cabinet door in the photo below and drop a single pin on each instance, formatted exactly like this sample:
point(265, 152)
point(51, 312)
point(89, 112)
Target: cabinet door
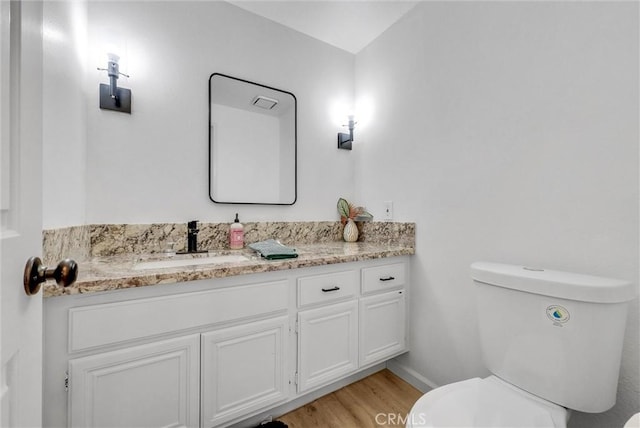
point(382, 326)
point(327, 343)
point(152, 385)
point(243, 369)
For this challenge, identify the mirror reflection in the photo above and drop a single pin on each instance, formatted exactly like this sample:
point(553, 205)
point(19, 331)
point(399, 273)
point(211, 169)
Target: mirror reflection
point(252, 142)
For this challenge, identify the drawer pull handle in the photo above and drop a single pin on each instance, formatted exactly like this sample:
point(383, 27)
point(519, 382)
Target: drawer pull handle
point(326, 290)
point(389, 278)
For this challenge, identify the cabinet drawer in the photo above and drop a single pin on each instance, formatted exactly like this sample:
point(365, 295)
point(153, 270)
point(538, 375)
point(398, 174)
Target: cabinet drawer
point(111, 323)
point(384, 277)
point(327, 288)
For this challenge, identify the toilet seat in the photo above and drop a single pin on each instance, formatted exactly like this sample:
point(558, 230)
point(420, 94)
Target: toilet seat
point(489, 402)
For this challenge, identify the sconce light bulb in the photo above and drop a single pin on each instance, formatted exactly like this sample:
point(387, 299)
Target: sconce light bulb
point(111, 57)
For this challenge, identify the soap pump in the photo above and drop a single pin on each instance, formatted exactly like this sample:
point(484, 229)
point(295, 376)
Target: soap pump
point(236, 235)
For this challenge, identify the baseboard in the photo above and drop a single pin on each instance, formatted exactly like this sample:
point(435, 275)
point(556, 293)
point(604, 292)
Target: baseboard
point(280, 410)
point(411, 376)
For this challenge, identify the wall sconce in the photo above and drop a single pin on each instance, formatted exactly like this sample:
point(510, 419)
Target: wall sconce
point(112, 97)
point(345, 140)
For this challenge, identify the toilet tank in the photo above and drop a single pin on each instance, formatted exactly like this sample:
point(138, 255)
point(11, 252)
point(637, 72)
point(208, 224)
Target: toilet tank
point(557, 335)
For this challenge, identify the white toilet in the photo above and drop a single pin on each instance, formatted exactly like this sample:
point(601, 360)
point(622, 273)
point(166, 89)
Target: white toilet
point(553, 341)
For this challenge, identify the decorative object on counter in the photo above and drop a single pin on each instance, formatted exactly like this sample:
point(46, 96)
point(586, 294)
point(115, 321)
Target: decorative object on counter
point(349, 214)
point(350, 233)
point(273, 250)
point(236, 234)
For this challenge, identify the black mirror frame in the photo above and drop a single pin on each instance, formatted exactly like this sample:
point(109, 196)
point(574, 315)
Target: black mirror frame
point(295, 143)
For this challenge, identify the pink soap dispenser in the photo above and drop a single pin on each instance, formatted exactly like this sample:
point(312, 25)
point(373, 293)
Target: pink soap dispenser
point(236, 235)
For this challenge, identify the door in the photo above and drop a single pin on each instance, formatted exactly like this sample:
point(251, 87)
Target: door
point(382, 327)
point(327, 344)
point(243, 369)
point(152, 385)
point(20, 210)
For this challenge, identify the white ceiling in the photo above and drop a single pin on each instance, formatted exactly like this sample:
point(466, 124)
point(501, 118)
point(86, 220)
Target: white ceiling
point(349, 25)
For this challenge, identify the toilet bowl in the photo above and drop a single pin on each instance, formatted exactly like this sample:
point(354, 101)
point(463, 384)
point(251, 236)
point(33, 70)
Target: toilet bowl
point(488, 402)
point(633, 422)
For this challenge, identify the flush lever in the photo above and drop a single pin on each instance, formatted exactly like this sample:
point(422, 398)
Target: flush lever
point(35, 273)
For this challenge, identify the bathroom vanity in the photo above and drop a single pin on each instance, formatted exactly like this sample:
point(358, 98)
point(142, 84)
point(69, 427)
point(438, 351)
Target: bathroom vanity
point(217, 350)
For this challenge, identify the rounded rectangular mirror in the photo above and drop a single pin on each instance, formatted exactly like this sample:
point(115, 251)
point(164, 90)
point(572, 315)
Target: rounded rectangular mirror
point(252, 143)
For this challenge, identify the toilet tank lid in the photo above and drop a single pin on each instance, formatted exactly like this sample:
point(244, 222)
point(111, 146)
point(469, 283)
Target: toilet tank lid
point(572, 286)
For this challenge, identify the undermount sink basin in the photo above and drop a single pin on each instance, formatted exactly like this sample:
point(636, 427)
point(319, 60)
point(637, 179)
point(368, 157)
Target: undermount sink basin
point(207, 260)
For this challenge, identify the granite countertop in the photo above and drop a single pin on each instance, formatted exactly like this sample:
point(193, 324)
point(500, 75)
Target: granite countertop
point(117, 272)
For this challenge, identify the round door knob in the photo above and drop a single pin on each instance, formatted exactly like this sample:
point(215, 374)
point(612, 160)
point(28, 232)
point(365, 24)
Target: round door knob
point(35, 273)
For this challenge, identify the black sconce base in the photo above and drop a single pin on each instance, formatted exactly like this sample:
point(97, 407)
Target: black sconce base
point(344, 141)
point(121, 103)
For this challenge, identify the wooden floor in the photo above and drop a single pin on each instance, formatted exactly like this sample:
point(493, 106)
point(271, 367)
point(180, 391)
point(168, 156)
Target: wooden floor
point(380, 400)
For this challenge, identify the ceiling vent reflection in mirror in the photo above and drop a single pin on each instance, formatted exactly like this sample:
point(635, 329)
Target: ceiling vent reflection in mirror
point(264, 102)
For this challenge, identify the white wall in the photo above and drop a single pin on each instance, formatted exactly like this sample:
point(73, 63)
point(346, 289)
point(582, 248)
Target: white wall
point(65, 113)
point(508, 131)
point(152, 165)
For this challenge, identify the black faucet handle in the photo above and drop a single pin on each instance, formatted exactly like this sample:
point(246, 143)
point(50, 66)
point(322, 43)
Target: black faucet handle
point(192, 224)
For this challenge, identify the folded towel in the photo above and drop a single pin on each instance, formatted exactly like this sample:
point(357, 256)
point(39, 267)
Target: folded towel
point(273, 250)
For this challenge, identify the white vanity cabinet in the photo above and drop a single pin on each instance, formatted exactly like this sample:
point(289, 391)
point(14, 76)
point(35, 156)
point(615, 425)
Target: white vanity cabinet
point(151, 385)
point(184, 355)
point(243, 369)
point(358, 320)
point(382, 312)
point(214, 352)
point(382, 326)
point(327, 335)
point(327, 344)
